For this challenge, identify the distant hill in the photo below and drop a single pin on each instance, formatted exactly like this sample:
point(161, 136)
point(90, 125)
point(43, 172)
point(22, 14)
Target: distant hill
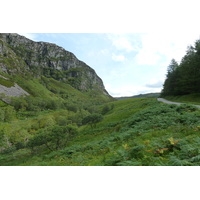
point(140, 96)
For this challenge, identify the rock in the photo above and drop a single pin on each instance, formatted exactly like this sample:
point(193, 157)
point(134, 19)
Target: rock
point(14, 91)
point(50, 60)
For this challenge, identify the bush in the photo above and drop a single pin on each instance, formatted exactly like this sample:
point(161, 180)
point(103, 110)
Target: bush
point(1, 114)
point(71, 107)
point(7, 114)
point(46, 121)
point(92, 119)
point(62, 120)
point(105, 109)
point(55, 137)
point(19, 103)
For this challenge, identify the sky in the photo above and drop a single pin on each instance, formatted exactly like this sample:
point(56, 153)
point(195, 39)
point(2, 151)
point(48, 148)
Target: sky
point(128, 63)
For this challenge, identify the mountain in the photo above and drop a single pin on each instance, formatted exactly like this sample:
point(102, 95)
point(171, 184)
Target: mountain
point(140, 96)
point(22, 60)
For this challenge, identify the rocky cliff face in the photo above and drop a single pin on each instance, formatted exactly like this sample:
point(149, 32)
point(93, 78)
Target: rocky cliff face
point(21, 55)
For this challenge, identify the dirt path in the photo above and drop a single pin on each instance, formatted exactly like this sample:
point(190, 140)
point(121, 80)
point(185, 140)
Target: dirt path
point(171, 102)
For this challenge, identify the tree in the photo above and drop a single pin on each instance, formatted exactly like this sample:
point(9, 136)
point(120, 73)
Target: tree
point(172, 67)
point(171, 80)
point(184, 78)
point(92, 119)
point(54, 138)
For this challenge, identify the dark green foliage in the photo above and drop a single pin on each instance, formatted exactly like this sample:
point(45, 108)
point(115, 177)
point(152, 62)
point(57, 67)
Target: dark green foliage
point(6, 82)
point(54, 137)
point(7, 114)
point(71, 107)
point(92, 119)
point(2, 139)
point(107, 108)
point(184, 78)
point(127, 157)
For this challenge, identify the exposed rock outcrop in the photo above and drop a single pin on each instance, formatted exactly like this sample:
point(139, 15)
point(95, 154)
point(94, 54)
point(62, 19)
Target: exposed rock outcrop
point(21, 55)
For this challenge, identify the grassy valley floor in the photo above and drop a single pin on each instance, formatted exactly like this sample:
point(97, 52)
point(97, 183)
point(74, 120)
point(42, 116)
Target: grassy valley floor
point(135, 132)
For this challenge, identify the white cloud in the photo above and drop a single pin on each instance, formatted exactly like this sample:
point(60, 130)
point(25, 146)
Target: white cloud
point(147, 57)
point(129, 90)
point(155, 84)
point(149, 66)
point(121, 42)
point(159, 47)
point(118, 58)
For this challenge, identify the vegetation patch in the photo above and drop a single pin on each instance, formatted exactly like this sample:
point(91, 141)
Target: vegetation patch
point(6, 82)
point(190, 98)
point(131, 132)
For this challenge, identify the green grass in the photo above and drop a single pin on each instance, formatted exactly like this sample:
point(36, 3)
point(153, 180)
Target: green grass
point(191, 98)
point(135, 132)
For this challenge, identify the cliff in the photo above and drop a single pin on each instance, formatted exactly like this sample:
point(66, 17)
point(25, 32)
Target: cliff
point(24, 57)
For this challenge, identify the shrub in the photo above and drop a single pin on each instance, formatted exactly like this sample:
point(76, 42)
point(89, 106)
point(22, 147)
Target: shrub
point(1, 114)
point(9, 113)
point(46, 121)
point(105, 109)
point(55, 137)
point(19, 103)
point(62, 120)
point(92, 119)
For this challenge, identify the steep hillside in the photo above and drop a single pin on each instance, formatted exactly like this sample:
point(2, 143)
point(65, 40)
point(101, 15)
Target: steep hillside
point(44, 90)
point(22, 59)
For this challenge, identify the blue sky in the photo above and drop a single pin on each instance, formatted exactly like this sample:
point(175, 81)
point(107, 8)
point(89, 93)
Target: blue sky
point(129, 64)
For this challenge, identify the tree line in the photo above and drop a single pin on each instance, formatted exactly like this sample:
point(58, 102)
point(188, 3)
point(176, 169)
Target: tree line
point(184, 78)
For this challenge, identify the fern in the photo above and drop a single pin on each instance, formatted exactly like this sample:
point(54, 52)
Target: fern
point(195, 159)
point(130, 163)
point(174, 161)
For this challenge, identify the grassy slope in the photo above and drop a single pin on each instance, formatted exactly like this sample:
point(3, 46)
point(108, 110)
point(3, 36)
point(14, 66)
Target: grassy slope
point(135, 132)
point(191, 99)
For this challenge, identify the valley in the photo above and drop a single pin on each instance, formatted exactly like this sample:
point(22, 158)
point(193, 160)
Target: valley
point(136, 132)
point(55, 111)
